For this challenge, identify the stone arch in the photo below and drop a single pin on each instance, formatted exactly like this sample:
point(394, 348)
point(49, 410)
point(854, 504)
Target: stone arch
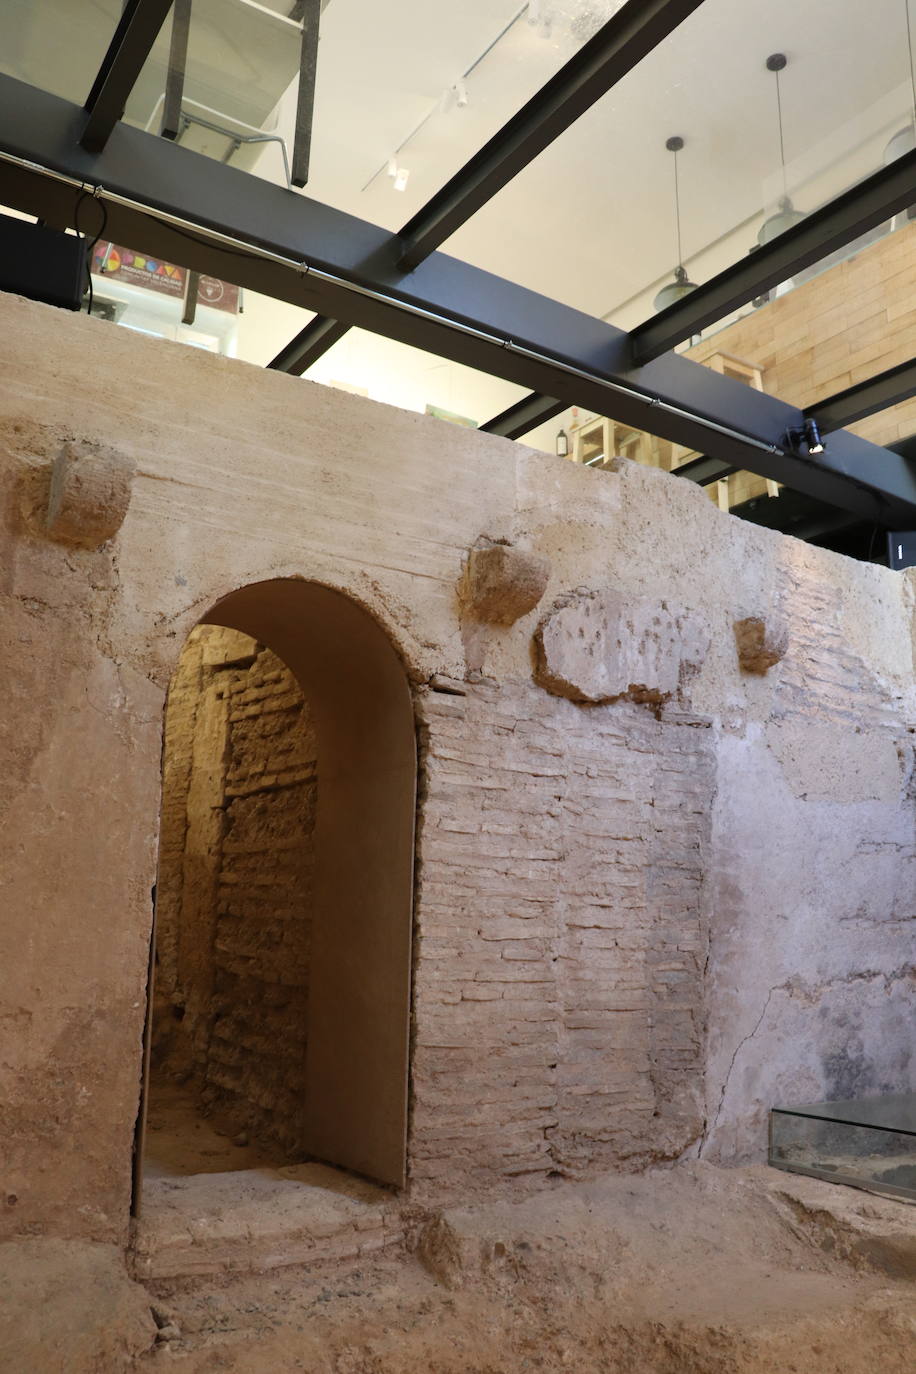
point(358, 1008)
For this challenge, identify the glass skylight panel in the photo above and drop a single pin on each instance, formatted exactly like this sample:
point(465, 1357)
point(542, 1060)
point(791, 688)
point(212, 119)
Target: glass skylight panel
point(593, 221)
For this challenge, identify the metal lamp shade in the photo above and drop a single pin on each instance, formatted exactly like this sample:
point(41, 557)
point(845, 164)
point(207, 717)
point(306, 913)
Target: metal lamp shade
point(904, 141)
point(786, 217)
point(675, 290)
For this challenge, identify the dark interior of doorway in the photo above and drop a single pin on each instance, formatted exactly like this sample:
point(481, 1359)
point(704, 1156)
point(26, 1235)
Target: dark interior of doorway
point(227, 1085)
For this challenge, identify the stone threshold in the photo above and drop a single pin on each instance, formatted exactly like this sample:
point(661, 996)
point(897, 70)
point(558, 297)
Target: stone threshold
point(256, 1220)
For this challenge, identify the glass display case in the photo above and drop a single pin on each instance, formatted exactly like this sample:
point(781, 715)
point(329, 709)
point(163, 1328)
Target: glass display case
point(870, 1143)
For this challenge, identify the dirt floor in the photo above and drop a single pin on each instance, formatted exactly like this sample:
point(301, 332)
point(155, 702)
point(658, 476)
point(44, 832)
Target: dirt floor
point(180, 1140)
point(690, 1270)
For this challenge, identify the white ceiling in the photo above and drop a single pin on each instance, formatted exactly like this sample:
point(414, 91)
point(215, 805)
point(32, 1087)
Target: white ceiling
point(591, 221)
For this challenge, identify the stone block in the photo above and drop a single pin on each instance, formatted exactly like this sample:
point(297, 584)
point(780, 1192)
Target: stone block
point(600, 646)
point(761, 643)
point(503, 583)
point(90, 493)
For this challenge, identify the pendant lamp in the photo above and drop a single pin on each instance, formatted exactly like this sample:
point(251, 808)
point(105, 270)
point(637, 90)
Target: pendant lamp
point(682, 285)
point(904, 141)
point(787, 215)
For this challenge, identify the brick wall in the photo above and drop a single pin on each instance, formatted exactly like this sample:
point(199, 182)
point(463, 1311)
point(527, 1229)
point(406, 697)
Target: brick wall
point(239, 794)
point(561, 933)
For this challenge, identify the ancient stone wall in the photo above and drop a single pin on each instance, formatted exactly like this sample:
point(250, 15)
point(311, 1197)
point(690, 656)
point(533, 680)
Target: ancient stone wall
point(562, 934)
point(666, 876)
point(233, 911)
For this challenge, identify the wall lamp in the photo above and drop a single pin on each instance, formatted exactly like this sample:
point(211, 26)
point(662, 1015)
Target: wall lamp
point(807, 439)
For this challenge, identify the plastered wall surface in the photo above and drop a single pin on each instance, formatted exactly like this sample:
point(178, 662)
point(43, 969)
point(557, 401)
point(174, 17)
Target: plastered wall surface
point(641, 916)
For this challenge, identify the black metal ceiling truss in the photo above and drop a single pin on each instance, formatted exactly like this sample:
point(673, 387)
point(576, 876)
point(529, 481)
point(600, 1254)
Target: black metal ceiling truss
point(866, 398)
point(305, 100)
point(138, 28)
point(873, 201)
point(524, 416)
point(618, 46)
point(215, 219)
point(178, 61)
point(309, 345)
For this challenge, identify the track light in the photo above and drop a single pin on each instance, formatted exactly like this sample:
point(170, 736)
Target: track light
point(400, 179)
point(807, 437)
point(461, 93)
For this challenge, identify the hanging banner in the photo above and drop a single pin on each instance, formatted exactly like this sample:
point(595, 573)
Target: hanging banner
point(112, 262)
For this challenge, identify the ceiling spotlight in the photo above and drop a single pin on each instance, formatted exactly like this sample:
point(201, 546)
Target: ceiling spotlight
point(813, 437)
point(461, 93)
point(786, 216)
point(392, 167)
point(808, 437)
point(400, 179)
point(682, 285)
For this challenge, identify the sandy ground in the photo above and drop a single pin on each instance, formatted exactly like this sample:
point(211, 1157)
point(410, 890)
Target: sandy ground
point(692, 1270)
point(180, 1140)
point(688, 1270)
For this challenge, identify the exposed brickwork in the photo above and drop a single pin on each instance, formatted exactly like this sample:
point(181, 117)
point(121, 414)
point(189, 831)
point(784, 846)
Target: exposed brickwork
point(561, 933)
point(234, 914)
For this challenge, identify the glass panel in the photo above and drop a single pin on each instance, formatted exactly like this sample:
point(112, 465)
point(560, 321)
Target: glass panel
point(871, 1143)
point(242, 60)
point(592, 221)
point(427, 85)
point(410, 88)
point(413, 379)
point(131, 288)
point(57, 45)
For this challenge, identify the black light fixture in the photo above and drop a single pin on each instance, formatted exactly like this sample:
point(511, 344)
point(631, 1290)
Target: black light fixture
point(562, 444)
point(682, 285)
point(786, 216)
point(807, 438)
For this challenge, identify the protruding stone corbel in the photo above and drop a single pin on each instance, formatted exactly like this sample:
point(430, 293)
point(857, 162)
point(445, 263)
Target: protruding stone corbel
point(760, 642)
point(503, 582)
point(89, 494)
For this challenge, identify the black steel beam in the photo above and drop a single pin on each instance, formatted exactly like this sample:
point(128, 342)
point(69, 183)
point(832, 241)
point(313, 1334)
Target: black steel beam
point(618, 46)
point(178, 62)
point(211, 218)
point(608, 56)
point(525, 416)
point(880, 196)
point(138, 28)
point(309, 344)
point(866, 398)
point(305, 99)
point(704, 470)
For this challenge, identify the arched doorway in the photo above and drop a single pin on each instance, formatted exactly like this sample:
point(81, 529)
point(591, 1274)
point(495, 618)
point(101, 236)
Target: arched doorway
point(283, 995)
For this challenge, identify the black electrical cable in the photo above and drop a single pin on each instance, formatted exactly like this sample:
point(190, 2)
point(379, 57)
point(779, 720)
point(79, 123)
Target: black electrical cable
point(90, 246)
